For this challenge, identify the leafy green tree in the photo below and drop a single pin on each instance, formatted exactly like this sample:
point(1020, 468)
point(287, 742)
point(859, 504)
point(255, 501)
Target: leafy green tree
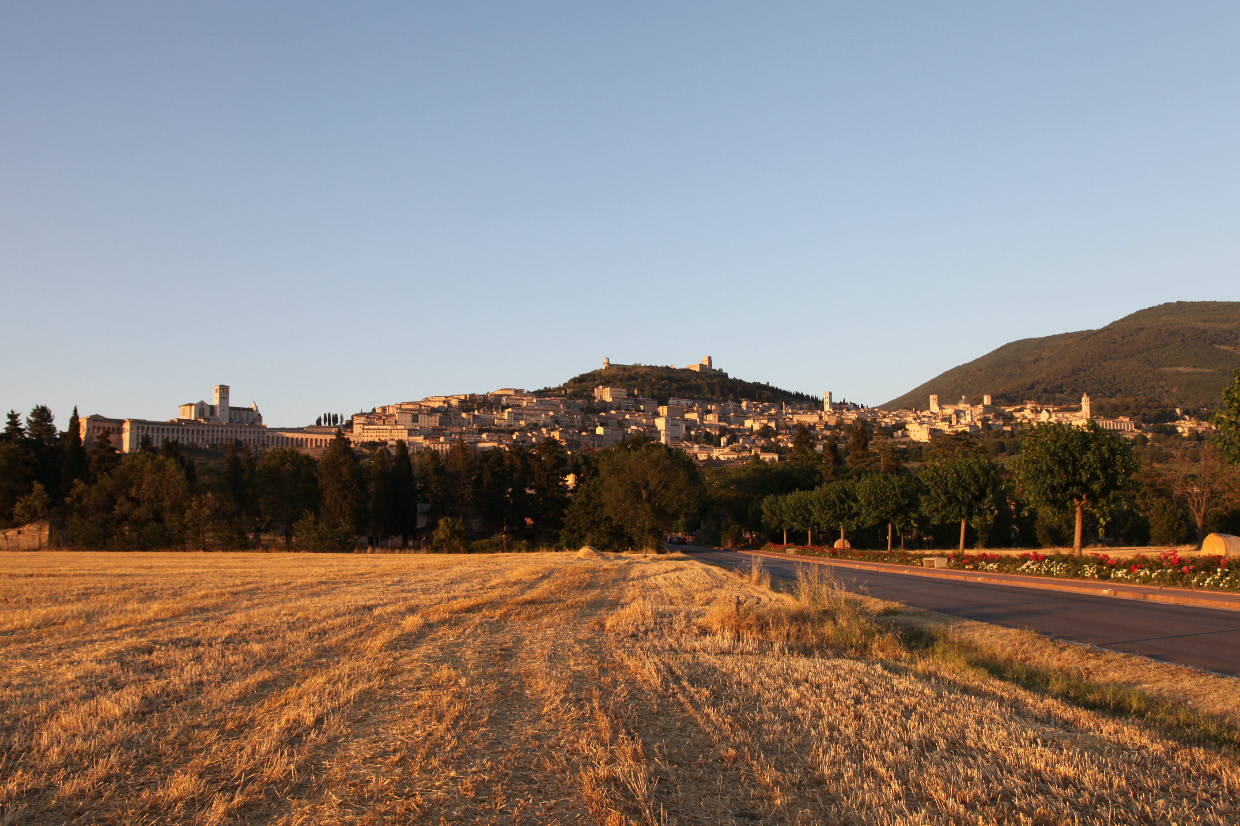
point(639, 492)
point(1073, 467)
point(835, 505)
point(735, 494)
point(1227, 421)
point(141, 504)
point(961, 488)
point(950, 445)
point(801, 513)
point(450, 535)
point(775, 513)
point(340, 485)
point(33, 507)
point(893, 499)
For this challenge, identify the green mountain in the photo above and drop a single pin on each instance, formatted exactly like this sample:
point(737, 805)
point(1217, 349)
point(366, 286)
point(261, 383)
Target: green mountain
point(1173, 355)
point(662, 383)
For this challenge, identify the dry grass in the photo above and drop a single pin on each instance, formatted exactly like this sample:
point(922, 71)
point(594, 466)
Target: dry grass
point(529, 689)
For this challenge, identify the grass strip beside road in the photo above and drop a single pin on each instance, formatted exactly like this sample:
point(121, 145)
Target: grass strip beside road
point(1059, 670)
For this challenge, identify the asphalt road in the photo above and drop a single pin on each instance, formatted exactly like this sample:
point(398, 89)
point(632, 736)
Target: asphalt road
point(1201, 637)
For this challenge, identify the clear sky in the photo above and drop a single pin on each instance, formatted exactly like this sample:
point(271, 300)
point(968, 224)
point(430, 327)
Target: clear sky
point(333, 206)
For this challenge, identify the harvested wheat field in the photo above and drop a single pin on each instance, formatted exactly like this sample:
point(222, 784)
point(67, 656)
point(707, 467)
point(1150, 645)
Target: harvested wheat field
point(547, 688)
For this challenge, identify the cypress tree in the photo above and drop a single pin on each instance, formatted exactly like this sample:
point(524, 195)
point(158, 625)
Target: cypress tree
point(404, 494)
point(340, 487)
point(382, 522)
point(73, 456)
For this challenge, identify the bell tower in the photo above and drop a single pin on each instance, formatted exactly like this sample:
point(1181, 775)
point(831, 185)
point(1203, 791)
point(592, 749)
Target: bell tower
point(221, 403)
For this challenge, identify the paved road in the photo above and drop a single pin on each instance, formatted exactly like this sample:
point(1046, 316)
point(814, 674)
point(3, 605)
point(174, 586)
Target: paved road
point(1201, 637)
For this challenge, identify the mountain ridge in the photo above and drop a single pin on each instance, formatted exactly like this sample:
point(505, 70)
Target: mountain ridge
point(1178, 354)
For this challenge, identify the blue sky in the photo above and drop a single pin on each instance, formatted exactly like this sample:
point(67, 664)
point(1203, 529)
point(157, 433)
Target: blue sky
point(337, 206)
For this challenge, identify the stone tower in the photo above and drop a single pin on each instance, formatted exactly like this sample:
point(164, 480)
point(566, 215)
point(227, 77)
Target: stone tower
point(1086, 408)
point(987, 401)
point(221, 403)
point(826, 402)
point(934, 404)
point(606, 362)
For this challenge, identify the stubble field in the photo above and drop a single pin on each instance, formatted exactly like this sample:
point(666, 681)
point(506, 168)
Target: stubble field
point(291, 689)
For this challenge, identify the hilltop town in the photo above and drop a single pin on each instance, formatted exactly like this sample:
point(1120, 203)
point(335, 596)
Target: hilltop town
point(709, 430)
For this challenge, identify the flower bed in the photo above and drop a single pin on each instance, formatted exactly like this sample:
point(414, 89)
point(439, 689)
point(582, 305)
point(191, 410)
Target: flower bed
point(1218, 573)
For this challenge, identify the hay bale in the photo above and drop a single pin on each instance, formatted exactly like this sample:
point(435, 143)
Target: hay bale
point(587, 553)
point(1221, 544)
point(842, 545)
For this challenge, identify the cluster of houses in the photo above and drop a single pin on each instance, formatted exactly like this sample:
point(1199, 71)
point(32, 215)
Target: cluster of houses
point(707, 430)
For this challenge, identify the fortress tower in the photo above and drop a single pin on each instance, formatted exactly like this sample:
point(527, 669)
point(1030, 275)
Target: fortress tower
point(934, 404)
point(826, 402)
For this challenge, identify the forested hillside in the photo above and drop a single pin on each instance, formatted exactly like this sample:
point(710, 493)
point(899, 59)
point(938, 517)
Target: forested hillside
point(662, 383)
point(1172, 355)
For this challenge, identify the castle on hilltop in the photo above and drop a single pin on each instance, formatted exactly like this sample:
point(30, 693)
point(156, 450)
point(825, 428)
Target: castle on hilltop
point(703, 366)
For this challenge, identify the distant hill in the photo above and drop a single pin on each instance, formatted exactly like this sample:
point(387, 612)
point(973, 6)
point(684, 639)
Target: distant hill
point(1173, 355)
point(662, 383)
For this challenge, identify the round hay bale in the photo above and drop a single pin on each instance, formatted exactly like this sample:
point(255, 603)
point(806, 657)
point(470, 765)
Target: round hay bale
point(1221, 544)
point(842, 545)
point(587, 553)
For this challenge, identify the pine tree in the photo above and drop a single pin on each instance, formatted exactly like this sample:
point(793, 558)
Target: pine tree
point(43, 443)
point(13, 430)
point(287, 488)
point(102, 457)
point(859, 457)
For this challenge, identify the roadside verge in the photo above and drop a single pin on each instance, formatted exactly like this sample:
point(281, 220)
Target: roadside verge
point(1150, 593)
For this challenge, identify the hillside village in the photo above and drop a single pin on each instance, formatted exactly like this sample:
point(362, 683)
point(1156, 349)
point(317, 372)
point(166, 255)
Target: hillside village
point(708, 430)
